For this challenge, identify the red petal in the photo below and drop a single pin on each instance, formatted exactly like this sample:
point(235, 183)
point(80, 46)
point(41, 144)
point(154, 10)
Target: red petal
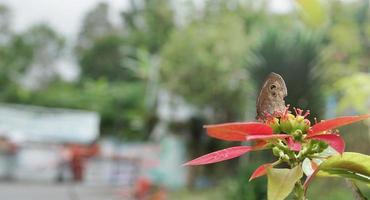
point(265, 137)
point(221, 155)
point(260, 171)
point(238, 130)
point(293, 145)
point(335, 123)
point(333, 140)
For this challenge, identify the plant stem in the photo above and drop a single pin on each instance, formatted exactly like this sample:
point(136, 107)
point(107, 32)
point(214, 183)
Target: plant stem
point(299, 193)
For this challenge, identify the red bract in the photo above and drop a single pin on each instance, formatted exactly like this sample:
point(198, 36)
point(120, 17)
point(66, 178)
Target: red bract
point(221, 155)
point(335, 123)
point(260, 171)
point(237, 131)
point(285, 133)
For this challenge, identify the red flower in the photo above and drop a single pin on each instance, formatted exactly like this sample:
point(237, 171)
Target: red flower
point(285, 133)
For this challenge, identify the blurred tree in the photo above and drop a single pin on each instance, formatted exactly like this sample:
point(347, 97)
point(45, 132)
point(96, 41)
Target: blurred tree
point(103, 51)
point(347, 63)
point(148, 23)
point(362, 20)
point(47, 46)
point(105, 60)
point(354, 89)
point(96, 24)
point(295, 55)
point(354, 92)
point(125, 57)
point(204, 63)
point(207, 59)
point(15, 56)
point(5, 23)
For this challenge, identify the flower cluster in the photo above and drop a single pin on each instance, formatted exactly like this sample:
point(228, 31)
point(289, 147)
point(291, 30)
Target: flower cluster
point(291, 138)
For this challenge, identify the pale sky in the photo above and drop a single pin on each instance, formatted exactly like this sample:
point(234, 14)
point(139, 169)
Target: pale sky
point(63, 15)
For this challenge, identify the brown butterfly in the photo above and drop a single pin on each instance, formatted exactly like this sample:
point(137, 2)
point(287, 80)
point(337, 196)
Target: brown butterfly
point(271, 97)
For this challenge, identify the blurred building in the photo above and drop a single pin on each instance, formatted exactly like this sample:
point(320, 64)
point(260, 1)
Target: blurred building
point(32, 137)
point(40, 132)
point(23, 123)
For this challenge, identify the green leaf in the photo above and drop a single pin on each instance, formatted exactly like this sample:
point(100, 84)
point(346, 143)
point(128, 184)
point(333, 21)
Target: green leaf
point(348, 165)
point(281, 182)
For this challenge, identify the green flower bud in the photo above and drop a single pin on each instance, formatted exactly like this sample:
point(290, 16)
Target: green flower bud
point(294, 124)
point(299, 118)
point(276, 151)
point(297, 135)
point(303, 124)
point(285, 158)
point(286, 123)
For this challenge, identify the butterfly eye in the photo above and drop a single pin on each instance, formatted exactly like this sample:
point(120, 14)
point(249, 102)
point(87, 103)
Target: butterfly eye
point(272, 87)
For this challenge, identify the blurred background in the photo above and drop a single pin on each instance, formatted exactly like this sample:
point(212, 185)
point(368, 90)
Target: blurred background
point(106, 99)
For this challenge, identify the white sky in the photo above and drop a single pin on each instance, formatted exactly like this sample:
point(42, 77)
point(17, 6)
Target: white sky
point(63, 15)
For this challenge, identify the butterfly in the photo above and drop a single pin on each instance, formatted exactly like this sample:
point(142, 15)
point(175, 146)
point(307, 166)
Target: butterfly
point(271, 96)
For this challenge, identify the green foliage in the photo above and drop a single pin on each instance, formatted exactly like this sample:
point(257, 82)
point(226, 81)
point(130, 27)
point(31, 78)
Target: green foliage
point(36, 49)
point(16, 57)
point(354, 92)
point(148, 24)
point(38, 45)
point(348, 165)
point(206, 59)
point(44, 40)
point(101, 47)
point(346, 60)
point(96, 24)
point(105, 60)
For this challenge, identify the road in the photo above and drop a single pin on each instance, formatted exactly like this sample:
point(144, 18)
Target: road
point(44, 191)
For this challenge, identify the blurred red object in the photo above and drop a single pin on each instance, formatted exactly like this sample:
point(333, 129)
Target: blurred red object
point(145, 189)
point(78, 155)
point(142, 188)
